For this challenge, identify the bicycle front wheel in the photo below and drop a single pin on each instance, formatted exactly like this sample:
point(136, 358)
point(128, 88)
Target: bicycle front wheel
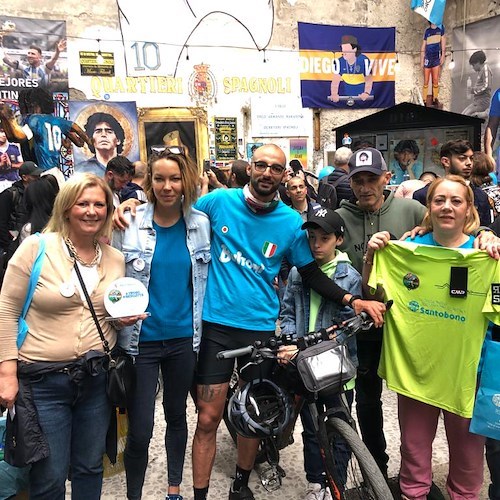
point(356, 474)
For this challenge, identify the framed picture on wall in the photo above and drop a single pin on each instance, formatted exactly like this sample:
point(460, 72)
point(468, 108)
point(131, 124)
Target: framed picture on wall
point(164, 127)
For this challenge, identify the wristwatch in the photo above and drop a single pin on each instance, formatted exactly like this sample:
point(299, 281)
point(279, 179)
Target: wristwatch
point(353, 298)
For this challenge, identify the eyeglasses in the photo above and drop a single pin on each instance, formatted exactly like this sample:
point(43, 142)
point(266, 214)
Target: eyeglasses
point(262, 166)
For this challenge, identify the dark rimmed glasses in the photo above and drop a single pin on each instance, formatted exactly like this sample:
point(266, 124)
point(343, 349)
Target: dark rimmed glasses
point(262, 166)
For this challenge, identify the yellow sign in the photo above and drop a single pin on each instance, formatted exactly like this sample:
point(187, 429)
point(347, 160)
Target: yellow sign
point(135, 85)
point(256, 85)
point(90, 67)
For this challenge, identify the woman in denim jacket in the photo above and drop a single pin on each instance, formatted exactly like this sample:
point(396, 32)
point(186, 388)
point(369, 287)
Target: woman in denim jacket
point(167, 247)
point(325, 231)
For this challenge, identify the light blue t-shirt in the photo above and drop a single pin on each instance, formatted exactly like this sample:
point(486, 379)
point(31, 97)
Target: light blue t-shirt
point(247, 250)
point(170, 290)
point(428, 239)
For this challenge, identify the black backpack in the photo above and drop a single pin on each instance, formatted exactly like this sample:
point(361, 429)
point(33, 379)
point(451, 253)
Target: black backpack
point(327, 192)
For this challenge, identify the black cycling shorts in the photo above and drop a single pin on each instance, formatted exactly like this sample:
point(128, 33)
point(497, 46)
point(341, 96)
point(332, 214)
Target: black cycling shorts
point(218, 338)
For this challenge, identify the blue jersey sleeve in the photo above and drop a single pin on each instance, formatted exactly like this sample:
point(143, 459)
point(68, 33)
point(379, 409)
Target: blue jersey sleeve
point(206, 203)
point(495, 104)
point(299, 254)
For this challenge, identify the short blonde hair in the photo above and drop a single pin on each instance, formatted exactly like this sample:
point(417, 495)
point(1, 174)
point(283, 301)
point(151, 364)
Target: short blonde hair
point(69, 195)
point(472, 220)
point(189, 175)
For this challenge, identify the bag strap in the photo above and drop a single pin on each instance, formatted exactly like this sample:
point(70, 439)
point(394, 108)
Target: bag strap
point(22, 331)
point(105, 343)
point(338, 180)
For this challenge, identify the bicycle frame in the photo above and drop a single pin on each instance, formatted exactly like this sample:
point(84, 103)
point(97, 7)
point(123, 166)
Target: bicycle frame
point(271, 477)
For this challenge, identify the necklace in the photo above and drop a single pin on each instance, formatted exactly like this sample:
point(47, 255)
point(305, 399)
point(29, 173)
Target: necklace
point(74, 253)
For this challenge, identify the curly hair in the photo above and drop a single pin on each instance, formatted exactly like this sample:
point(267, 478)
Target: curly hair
point(97, 118)
point(407, 145)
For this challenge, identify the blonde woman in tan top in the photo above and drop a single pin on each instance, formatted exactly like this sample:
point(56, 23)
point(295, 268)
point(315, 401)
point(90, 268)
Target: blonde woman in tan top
point(68, 392)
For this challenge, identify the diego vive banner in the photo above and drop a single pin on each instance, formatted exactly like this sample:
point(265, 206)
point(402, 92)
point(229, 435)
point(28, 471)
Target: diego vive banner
point(347, 66)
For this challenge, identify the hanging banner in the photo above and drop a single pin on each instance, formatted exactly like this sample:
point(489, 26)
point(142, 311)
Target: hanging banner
point(32, 54)
point(347, 66)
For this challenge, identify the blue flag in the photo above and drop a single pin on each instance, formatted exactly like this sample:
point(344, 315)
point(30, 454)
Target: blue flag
point(432, 10)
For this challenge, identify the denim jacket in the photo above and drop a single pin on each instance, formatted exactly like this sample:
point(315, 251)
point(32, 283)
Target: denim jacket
point(296, 303)
point(139, 240)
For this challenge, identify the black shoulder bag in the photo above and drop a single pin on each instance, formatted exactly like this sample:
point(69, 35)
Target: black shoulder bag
point(121, 370)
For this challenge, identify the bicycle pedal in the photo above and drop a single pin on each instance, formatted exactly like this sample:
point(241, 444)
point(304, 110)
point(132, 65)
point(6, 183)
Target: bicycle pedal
point(271, 478)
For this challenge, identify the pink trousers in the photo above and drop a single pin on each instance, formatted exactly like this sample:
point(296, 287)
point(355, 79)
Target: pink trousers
point(418, 424)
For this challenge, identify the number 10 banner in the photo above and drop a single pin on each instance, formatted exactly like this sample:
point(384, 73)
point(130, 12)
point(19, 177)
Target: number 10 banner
point(347, 66)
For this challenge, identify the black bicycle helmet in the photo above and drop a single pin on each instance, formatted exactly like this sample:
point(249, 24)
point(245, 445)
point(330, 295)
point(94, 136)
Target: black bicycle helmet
point(260, 409)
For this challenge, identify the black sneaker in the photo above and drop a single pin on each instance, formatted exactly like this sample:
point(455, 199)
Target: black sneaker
point(435, 493)
point(244, 493)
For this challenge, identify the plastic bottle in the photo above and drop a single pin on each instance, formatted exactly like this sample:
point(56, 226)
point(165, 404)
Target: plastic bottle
point(469, 87)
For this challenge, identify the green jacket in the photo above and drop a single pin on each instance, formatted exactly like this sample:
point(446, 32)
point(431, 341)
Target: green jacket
point(397, 215)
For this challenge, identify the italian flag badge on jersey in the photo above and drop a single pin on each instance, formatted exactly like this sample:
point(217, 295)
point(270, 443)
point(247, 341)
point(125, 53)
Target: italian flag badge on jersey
point(269, 249)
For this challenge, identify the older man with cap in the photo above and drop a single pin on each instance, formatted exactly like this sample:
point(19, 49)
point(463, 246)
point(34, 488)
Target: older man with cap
point(372, 209)
point(12, 210)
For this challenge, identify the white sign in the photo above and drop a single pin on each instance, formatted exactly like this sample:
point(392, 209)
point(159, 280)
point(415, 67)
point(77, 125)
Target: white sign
point(277, 116)
point(126, 297)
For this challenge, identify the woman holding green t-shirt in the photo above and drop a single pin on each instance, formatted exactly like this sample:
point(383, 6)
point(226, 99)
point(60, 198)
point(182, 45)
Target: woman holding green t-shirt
point(450, 219)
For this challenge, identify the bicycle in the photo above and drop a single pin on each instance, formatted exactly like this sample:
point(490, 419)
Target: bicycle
point(355, 474)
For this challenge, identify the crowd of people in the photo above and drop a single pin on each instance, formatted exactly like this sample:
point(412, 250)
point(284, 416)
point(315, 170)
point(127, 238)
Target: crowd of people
point(259, 237)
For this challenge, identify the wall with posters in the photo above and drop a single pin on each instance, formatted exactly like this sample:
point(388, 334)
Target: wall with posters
point(218, 66)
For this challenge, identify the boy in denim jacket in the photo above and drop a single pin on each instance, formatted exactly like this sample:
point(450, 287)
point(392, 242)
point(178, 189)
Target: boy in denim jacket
point(304, 311)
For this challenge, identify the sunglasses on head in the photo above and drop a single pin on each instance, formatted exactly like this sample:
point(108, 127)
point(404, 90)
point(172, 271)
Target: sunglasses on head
point(166, 150)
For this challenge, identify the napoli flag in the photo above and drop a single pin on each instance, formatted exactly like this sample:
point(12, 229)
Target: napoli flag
point(432, 10)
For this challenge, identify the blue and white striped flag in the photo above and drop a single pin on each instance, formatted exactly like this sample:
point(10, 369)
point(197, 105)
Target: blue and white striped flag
point(432, 10)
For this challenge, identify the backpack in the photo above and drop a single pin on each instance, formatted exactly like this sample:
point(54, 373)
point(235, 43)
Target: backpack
point(327, 192)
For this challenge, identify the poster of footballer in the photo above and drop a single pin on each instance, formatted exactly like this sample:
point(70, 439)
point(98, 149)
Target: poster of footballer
point(32, 54)
point(347, 66)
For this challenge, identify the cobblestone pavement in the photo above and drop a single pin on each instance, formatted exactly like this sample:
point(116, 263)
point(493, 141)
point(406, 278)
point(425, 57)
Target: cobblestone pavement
point(294, 483)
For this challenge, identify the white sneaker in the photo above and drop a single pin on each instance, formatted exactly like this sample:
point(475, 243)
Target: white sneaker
point(315, 491)
point(328, 495)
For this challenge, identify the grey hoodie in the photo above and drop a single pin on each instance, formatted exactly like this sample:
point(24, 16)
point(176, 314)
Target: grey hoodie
point(396, 215)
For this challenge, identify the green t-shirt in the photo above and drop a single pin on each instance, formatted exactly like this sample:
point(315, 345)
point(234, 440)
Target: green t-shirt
point(432, 341)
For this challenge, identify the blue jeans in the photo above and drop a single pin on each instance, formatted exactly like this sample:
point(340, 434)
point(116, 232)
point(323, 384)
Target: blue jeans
point(369, 402)
point(493, 459)
point(75, 425)
point(313, 463)
point(177, 362)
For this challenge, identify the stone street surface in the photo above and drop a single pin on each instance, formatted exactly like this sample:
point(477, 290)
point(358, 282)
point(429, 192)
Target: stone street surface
point(294, 483)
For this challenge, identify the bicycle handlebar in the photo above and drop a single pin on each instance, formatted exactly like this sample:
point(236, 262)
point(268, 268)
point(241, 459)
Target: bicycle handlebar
point(361, 322)
point(235, 353)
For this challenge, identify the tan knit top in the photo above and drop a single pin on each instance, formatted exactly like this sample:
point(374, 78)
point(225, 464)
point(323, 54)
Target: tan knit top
point(60, 328)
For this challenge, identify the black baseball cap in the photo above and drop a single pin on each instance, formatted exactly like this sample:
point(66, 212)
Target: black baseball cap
point(325, 218)
point(367, 160)
point(30, 168)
